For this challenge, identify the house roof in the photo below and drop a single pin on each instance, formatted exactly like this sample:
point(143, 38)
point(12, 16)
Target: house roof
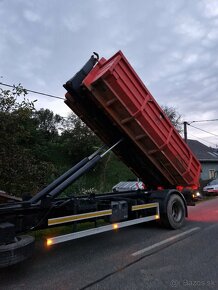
point(203, 152)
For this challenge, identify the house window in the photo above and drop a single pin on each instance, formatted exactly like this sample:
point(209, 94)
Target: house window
point(211, 173)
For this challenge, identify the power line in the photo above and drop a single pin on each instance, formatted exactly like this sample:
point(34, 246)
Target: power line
point(199, 121)
point(203, 130)
point(61, 98)
point(35, 92)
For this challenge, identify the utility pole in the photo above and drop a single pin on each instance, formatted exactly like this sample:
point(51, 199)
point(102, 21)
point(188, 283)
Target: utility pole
point(185, 131)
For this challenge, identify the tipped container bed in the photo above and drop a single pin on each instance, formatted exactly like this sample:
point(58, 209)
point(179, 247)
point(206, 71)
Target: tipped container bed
point(114, 103)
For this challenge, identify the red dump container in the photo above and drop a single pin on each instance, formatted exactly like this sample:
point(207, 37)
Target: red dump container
point(120, 94)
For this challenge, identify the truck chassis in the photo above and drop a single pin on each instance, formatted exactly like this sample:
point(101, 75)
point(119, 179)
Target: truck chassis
point(116, 209)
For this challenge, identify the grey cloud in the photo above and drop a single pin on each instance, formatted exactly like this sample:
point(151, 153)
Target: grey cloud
point(31, 16)
point(209, 8)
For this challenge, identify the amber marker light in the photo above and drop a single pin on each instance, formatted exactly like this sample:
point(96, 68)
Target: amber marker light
point(115, 226)
point(49, 242)
point(157, 216)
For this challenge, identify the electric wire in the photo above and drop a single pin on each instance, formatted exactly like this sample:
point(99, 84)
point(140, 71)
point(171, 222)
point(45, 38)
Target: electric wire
point(61, 98)
point(204, 130)
point(199, 121)
point(34, 92)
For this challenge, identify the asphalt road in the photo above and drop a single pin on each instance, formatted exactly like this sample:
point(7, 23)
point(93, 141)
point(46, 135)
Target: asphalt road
point(140, 257)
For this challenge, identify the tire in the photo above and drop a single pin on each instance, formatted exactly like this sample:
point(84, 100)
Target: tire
point(175, 213)
point(16, 252)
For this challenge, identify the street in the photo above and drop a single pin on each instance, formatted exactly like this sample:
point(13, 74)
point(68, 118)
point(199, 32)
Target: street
point(139, 257)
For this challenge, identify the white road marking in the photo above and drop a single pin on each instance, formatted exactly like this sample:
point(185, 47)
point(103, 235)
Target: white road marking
point(142, 251)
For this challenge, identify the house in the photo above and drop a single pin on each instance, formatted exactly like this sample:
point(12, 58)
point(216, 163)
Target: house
point(208, 158)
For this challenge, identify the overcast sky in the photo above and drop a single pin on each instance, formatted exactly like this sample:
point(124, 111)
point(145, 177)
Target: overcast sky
point(172, 45)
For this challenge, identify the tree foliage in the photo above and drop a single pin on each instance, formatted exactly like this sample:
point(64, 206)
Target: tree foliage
point(77, 139)
point(47, 121)
point(21, 171)
point(174, 117)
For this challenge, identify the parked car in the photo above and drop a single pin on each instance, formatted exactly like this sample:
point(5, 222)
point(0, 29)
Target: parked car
point(128, 186)
point(211, 188)
point(196, 195)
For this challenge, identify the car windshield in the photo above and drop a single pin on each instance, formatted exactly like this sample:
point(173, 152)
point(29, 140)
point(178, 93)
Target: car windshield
point(213, 182)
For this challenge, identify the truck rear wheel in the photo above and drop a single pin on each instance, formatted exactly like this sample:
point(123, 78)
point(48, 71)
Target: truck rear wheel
point(13, 253)
point(175, 212)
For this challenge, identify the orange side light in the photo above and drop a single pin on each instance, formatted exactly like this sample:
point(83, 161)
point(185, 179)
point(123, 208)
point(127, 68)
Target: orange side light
point(49, 242)
point(115, 226)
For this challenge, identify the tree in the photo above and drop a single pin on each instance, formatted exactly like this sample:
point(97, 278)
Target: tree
point(174, 117)
point(48, 122)
point(77, 139)
point(21, 171)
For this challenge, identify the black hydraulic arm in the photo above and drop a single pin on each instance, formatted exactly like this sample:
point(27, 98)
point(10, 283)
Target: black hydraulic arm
point(64, 176)
point(60, 184)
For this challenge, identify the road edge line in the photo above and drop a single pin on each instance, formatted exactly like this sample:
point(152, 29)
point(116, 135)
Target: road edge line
point(169, 240)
